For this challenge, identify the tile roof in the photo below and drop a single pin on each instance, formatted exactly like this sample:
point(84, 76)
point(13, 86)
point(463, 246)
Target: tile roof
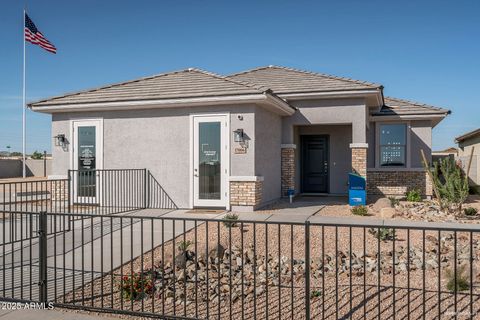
point(467, 135)
point(284, 80)
point(188, 83)
point(395, 106)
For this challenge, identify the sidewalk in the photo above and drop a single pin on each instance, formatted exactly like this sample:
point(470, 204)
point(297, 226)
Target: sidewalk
point(53, 315)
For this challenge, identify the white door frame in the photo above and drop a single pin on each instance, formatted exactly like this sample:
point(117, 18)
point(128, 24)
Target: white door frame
point(98, 124)
point(224, 119)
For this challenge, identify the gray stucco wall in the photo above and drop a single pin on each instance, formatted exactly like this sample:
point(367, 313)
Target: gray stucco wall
point(159, 140)
point(12, 168)
point(268, 135)
point(340, 156)
point(329, 112)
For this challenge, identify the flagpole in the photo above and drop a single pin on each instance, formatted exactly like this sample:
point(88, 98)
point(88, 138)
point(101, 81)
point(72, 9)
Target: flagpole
point(24, 100)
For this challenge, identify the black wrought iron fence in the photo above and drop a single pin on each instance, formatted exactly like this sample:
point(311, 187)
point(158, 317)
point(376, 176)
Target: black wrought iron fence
point(224, 269)
point(106, 191)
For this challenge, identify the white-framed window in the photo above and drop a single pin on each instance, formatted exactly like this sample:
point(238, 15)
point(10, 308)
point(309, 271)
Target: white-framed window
point(393, 145)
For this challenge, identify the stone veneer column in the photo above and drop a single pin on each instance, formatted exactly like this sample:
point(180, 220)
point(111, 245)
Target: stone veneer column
point(359, 158)
point(246, 193)
point(288, 168)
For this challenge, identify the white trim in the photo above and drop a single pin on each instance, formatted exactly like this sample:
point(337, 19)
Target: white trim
point(380, 118)
point(225, 136)
point(346, 93)
point(99, 161)
point(57, 177)
point(288, 145)
point(358, 145)
point(277, 104)
point(246, 178)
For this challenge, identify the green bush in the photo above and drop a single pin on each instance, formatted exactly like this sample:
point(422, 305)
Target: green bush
point(414, 195)
point(315, 294)
point(457, 281)
point(470, 211)
point(230, 220)
point(383, 234)
point(359, 210)
point(451, 183)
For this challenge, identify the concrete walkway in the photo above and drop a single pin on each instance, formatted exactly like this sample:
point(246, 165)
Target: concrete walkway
point(52, 315)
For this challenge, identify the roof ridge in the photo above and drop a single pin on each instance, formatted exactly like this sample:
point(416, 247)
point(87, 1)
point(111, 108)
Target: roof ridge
point(311, 73)
point(111, 85)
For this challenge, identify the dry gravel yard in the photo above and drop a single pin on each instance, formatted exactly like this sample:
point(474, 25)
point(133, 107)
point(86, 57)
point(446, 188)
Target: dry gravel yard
point(345, 282)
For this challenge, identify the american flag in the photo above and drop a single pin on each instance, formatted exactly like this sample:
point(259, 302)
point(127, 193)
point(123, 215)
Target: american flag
point(33, 35)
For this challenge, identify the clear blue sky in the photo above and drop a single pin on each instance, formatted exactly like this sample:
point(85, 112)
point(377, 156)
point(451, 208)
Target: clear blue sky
point(426, 51)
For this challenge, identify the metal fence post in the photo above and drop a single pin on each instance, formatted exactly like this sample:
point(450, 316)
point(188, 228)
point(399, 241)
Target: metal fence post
point(145, 183)
point(45, 163)
point(42, 256)
point(307, 270)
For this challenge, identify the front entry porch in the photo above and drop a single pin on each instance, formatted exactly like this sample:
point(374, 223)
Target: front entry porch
point(320, 159)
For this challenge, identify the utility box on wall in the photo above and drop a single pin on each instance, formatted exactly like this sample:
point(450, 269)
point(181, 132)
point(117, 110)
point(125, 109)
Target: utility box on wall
point(357, 193)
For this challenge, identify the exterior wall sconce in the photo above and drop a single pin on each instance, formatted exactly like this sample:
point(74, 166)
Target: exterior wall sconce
point(238, 136)
point(60, 140)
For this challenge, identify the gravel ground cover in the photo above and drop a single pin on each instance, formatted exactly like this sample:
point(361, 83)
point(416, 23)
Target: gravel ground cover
point(349, 279)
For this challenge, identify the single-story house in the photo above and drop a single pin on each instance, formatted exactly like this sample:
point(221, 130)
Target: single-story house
point(451, 153)
point(467, 142)
point(245, 140)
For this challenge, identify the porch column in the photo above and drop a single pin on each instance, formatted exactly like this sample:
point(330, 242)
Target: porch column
point(359, 158)
point(288, 168)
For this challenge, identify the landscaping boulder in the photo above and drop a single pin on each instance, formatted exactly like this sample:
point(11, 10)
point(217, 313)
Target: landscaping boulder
point(382, 203)
point(387, 213)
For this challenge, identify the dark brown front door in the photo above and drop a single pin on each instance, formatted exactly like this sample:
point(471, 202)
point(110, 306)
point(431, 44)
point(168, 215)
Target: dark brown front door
point(314, 164)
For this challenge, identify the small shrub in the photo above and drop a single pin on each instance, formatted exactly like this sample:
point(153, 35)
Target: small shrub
point(230, 220)
point(315, 294)
point(184, 245)
point(383, 234)
point(394, 201)
point(359, 210)
point(470, 211)
point(136, 286)
point(414, 196)
point(458, 282)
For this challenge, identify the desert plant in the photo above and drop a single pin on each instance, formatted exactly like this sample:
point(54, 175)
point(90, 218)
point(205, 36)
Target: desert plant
point(184, 245)
point(394, 201)
point(315, 294)
point(136, 286)
point(359, 210)
point(383, 234)
point(230, 220)
point(414, 195)
point(451, 183)
point(457, 281)
point(470, 211)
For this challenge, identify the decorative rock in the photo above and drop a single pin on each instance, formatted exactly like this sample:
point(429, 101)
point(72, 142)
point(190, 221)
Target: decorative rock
point(387, 213)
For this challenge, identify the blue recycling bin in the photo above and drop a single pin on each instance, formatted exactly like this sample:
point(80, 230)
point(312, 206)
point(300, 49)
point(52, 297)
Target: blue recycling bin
point(357, 193)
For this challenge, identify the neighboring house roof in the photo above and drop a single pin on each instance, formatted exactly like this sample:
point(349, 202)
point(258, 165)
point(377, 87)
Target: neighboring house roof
point(283, 80)
point(395, 106)
point(178, 84)
point(467, 135)
point(451, 150)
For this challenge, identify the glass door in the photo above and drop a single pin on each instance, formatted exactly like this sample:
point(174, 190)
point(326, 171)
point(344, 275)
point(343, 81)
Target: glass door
point(210, 161)
point(86, 161)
